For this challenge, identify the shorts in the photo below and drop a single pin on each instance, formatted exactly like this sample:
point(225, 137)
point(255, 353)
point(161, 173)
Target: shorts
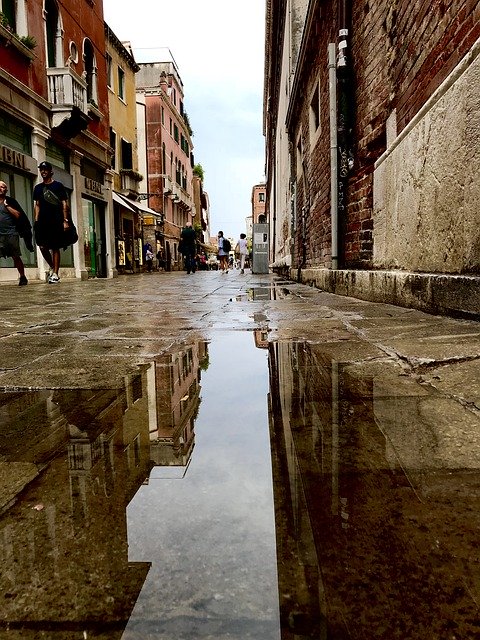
point(10, 246)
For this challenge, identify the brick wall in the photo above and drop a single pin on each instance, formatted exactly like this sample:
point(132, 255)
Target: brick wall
point(401, 52)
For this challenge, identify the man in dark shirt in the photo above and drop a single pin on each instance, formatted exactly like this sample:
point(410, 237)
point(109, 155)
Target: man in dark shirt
point(51, 219)
point(189, 247)
point(10, 213)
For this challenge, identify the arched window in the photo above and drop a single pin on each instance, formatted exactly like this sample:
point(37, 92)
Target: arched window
point(53, 34)
point(90, 71)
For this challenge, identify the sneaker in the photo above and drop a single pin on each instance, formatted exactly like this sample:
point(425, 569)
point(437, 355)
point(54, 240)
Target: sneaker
point(23, 281)
point(48, 275)
point(53, 279)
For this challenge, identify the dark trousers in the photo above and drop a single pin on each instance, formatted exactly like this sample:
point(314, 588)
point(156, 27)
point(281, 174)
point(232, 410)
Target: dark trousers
point(190, 263)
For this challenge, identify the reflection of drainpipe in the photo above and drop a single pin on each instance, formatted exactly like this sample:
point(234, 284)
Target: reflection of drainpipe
point(332, 82)
point(335, 437)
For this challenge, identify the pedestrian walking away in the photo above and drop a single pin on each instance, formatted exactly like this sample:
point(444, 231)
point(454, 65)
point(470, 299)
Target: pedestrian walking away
point(148, 257)
point(13, 224)
point(241, 250)
point(223, 251)
point(52, 219)
point(188, 247)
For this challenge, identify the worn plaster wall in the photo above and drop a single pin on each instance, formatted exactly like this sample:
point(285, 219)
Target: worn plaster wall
point(427, 184)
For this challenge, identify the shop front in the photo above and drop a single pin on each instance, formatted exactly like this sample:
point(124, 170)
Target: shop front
point(94, 238)
point(18, 169)
point(127, 226)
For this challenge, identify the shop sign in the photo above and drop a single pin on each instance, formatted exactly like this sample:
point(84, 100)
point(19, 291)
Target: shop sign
point(17, 159)
point(93, 188)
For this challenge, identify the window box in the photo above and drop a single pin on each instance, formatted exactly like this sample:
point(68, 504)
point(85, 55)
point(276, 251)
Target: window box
point(13, 39)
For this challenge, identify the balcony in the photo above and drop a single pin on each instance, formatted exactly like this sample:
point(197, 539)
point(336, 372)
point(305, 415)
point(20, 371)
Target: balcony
point(67, 93)
point(181, 198)
point(130, 180)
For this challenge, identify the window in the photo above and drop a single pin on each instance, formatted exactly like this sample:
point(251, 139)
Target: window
point(108, 58)
point(90, 71)
point(175, 133)
point(54, 35)
point(314, 116)
point(163, 115)
point(8, 10)
point(299, 156)
point(121, 83)
point(127, 156)
point(113, 144)
point(261, 196)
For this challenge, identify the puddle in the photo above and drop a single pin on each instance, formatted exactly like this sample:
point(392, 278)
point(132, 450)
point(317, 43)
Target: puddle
point(256, 294)
point(239, 489)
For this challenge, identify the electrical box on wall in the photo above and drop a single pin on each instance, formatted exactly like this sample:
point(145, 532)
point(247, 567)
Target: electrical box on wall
point(260, 248)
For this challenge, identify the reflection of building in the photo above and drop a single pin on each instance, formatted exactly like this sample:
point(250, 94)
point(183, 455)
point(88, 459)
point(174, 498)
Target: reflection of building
point(64, 552)
point(70, 463)
point(261, 338)
point(177, 384)
point(373, 534)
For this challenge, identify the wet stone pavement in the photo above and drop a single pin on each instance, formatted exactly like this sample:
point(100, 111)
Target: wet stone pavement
point(219, 456)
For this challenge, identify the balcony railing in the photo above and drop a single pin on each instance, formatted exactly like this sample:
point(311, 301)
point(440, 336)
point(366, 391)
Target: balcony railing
point(66, 90)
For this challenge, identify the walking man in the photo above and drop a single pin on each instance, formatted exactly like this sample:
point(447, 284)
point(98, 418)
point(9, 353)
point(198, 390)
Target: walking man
point(241, 249)
point(51, 219)
point(10, 215)
point(189, 247)
point(223, 251)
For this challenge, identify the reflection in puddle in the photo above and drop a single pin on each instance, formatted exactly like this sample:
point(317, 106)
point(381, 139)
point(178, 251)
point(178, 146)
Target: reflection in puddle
point(150, 512)
point(378, 533)
point(256, 294)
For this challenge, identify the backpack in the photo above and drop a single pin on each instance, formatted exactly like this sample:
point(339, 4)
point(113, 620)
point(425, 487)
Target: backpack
point(226, 245)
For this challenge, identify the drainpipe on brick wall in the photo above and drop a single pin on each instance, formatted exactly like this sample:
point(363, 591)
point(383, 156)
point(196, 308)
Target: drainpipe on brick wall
point(332, 83)
point(344, 119)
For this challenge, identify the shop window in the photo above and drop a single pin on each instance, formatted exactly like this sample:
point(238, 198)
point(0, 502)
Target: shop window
point(57, 155)
point(15, 135)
